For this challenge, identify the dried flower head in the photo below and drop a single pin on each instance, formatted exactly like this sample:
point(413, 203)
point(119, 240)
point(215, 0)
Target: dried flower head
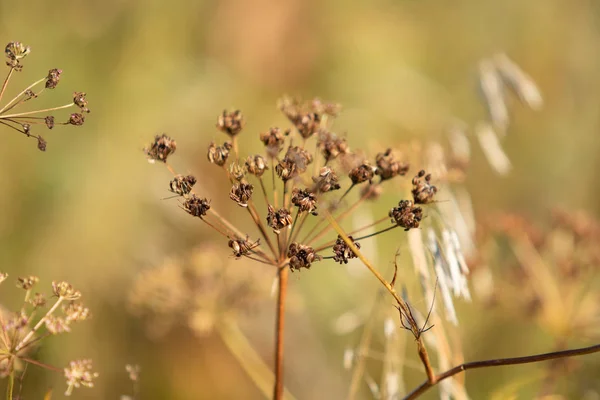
point(49, 120)
point(331, 145)
point(241, 247)
point(231, 123)
point(406, 215)
point(363, 173)
point(182, 185)
point(3, 276)
point(343, 253)
point(295, 162)
point(305, 200)
point(53, 78)
point(241, 193)
point(274, 140)
point(162, 147)
point(423, 191)
point(56, 325)
point(15, 52)
point(75, 312)
point(236, 171)
point(79, 373)
point(388, 167)
point(326, 181)
point(371, 192)
point(38, 300)
point(218, 154)
point(196, 206)
point(65, 290)
point(41, 143)
point(27, 282)
point(301, 256)
point(278, 219)
point(80, 101)
point(133, 371)
point(256, 165)
point(76, 119)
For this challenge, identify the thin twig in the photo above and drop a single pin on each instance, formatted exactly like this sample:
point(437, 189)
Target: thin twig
point(279, 333)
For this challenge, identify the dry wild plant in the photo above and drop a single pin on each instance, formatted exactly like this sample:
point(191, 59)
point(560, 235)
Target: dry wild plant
point(23, 121)
point(309, 181)
point(24, 331)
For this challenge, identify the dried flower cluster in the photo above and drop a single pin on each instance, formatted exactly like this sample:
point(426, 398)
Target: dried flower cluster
point(23, 121)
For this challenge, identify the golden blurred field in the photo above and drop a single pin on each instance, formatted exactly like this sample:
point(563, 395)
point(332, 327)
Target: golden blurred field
point(89, 209)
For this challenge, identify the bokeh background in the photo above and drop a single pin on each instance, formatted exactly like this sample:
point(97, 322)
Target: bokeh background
point(89, 210)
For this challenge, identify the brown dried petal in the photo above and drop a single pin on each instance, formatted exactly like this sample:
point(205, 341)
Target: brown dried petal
point(195, 206)
point(241, 193)
point(162, 147)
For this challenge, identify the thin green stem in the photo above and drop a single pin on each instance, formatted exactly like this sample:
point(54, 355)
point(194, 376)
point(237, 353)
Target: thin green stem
point(11, 384)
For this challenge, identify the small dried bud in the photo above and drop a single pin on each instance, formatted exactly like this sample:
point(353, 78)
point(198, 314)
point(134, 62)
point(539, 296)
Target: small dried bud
point(274, 140)
point(236, 171)
point(241, 193)
point(65, 290)
point(388, 167)
point(56, 325)
point(38, 300)
point(162, 147)
point(196, 206)
point(26, 129)
point(15, 51)
point(301, 256)
point(76, 119)
point(278, 219)
point(326, 181)
point(343, 253)
point(79, 374)
point(53, 78)
point(307, 124)
point(362, 173)
point(182, 185)
point(27, 282)
point(231, 122)
point(423, 191)
point(304, 117)
point(331, 145)
point(304, 200)
point(30, 95)
point(295, 162)
point(41, 145)
point(242, 247)
point(406, 215)
point(80, 101)
point(256, 165)
point(218, 154)
point(371, 191)
point(49, 120)
point(332, 109)
point(76, 312)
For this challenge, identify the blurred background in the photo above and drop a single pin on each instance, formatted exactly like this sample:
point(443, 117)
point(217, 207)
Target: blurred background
point(89, 210)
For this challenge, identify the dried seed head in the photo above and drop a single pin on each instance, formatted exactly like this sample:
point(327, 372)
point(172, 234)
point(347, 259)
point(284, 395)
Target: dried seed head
point(343, 253)
point(406, 215)
point(56, 325)
point(331, 145)
point(182, 185)
point(162, 147)
point(53, 78)
point(304, 200)
point(308, 124)
point(231, 122)
point(278, 219)
point(15, 51)
point(371, 192)
point(326, 181)
point(236, 171)
point(133, 371)
point(274, 140)
point(79, 374)
point(27, 282)
point(241, 247)
point(388, 167)
point(195, 206)
point(241, 193)
point(256, 165)
point(423, 191)
point(364, 172)
point(331, 109)
point(49, 120)
point(41, 145)
point(65, 290)
point(218, 154)
point(301, 256)
point(80, 101)
point(76, 119)
point(38, 300)
point(295, 162)
point(76, 312)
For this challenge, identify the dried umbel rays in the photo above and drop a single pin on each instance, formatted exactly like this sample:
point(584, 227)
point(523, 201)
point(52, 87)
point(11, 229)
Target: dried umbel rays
point(14, 118)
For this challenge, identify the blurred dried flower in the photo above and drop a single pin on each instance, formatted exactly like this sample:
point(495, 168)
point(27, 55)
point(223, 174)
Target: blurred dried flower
point(65, 290)
point(364, 172)
point(49, 120)
point(274, 140)
point(162, 147)
point(304, 200)
point(133, 371)
point(241, 193)
point(53, 78)
point(56, 325)
point(38, 300)
point(406, 215)
point(256, 165)
point(331, 145)
point(278, 219)
point(80, 101)
point(196, 206)
point(388, 167)
point(75, 312)
point(41, 145)
point(182, 185)
point(15, 52)
point(218, 154)
point(326, 181)
point(3, 276)
point(295, 162)
point(371, 191)
point(79, 373)
point(423, 191)
point(236, 171)
point(27, 282)
point(231, 122)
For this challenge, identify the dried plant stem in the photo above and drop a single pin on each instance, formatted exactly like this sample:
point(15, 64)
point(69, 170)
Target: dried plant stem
point(279, 333)
point(9, 105)
point(500, 362)
point(256, 218)
point(5, 84)
point(249, 360)
point(402, 306)
point(37, 111)
point(11, 385)
point(39, 324)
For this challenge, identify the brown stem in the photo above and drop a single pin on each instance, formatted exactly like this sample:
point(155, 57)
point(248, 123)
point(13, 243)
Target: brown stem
point(500, 362)
point(6, 82)
point(256, 218)
point(279, 331)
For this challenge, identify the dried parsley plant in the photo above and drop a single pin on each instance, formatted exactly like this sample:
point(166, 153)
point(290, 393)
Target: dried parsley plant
point(24, 121)
point(24, 331)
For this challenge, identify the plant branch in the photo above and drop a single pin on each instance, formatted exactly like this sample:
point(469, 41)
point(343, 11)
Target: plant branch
point(279, 333)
